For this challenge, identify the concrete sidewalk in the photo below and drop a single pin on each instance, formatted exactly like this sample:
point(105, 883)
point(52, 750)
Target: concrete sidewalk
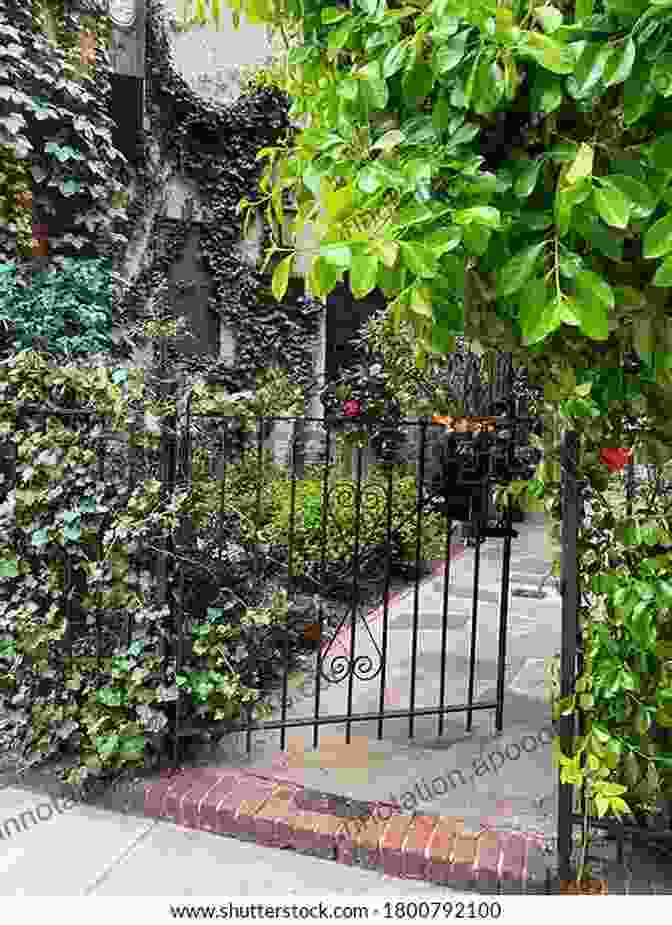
point(390, 817)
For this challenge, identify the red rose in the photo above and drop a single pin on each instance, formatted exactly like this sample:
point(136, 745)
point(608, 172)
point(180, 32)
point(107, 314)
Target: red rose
point(351, 408)
point(615, 458)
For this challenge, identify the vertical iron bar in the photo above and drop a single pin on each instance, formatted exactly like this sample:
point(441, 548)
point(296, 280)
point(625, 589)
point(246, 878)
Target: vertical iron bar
point(355, 593)
point(570, 629)
point(324, 513)
point(386, 603)
point(477, 570)
point(290, 569)
point(420, 476)
point(504, 617)
point(260, 473)
point(444, 623)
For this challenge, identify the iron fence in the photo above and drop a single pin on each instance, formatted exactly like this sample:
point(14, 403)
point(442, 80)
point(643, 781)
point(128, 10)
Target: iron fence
point(187, 584)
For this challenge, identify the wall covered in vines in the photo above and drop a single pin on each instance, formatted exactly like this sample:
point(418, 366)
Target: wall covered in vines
point(212, 147)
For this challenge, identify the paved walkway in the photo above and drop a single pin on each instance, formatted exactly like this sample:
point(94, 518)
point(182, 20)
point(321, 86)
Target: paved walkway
point(432, 815)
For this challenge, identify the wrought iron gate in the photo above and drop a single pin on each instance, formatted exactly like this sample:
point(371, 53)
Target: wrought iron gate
point(477, 461)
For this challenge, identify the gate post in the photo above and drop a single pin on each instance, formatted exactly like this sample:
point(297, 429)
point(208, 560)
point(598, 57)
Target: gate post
point(570, 635)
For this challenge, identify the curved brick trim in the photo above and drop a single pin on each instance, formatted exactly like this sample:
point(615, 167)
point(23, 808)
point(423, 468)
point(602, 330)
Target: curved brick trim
point(283, 814)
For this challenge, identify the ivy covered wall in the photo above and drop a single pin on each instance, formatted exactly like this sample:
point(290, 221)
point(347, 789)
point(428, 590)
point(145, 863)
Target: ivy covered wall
point(200, 160)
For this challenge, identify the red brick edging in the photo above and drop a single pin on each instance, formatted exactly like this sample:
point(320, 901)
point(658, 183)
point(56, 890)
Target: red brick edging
point(283, 814)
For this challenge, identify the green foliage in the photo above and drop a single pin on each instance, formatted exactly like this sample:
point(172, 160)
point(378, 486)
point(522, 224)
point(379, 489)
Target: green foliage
point(75, 306)
point(66, 679)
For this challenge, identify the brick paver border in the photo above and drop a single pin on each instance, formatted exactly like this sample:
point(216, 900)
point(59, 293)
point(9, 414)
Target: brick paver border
point(282, 814)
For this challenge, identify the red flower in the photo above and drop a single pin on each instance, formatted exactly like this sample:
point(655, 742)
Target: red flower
point(615, 458)
point(351, 408)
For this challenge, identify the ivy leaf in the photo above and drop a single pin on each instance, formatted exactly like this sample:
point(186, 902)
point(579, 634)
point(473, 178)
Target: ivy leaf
point(594, 301)
point(40, 537)
point(612, 206)
point(663, 275)
point(280, 279)
point(363, 275)
point(619, 64)
point(9, 568)
point(658, 238)
point(518, 270)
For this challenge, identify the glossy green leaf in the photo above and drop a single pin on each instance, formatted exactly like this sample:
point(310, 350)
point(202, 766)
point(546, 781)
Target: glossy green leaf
point(338, 255)
point(418, 81)
point(377, 91)
point(338, 38)
point(661, 75)
point(658, 238)
point(660, 154)
point(280, 279)
point(639, 94)
point(449, 54)
point(476, 239)
point(538, 314)
point(369, 179)
point(418, 258)
point(481, 215)
point(546, 93)
point(396, 58)
point(332, 14)
point(527, 180)
point(619, 64)
point(552, 55)
point(589, 70)
point(444, 241)
point(363, 275)
point(549, 16)
point(583, 9)
point(612, 206)
point(389, 140)
point(663, 275)
point(519, 270)
point(594, 300)
point(642, 200)
point(488, 87)
point(421, 302)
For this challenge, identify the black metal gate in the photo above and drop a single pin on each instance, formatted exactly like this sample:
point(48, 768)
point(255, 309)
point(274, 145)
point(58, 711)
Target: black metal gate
point(383, 545)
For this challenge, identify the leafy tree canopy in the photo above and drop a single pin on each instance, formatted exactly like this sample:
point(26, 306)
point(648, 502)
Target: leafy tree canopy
point(497, 169)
